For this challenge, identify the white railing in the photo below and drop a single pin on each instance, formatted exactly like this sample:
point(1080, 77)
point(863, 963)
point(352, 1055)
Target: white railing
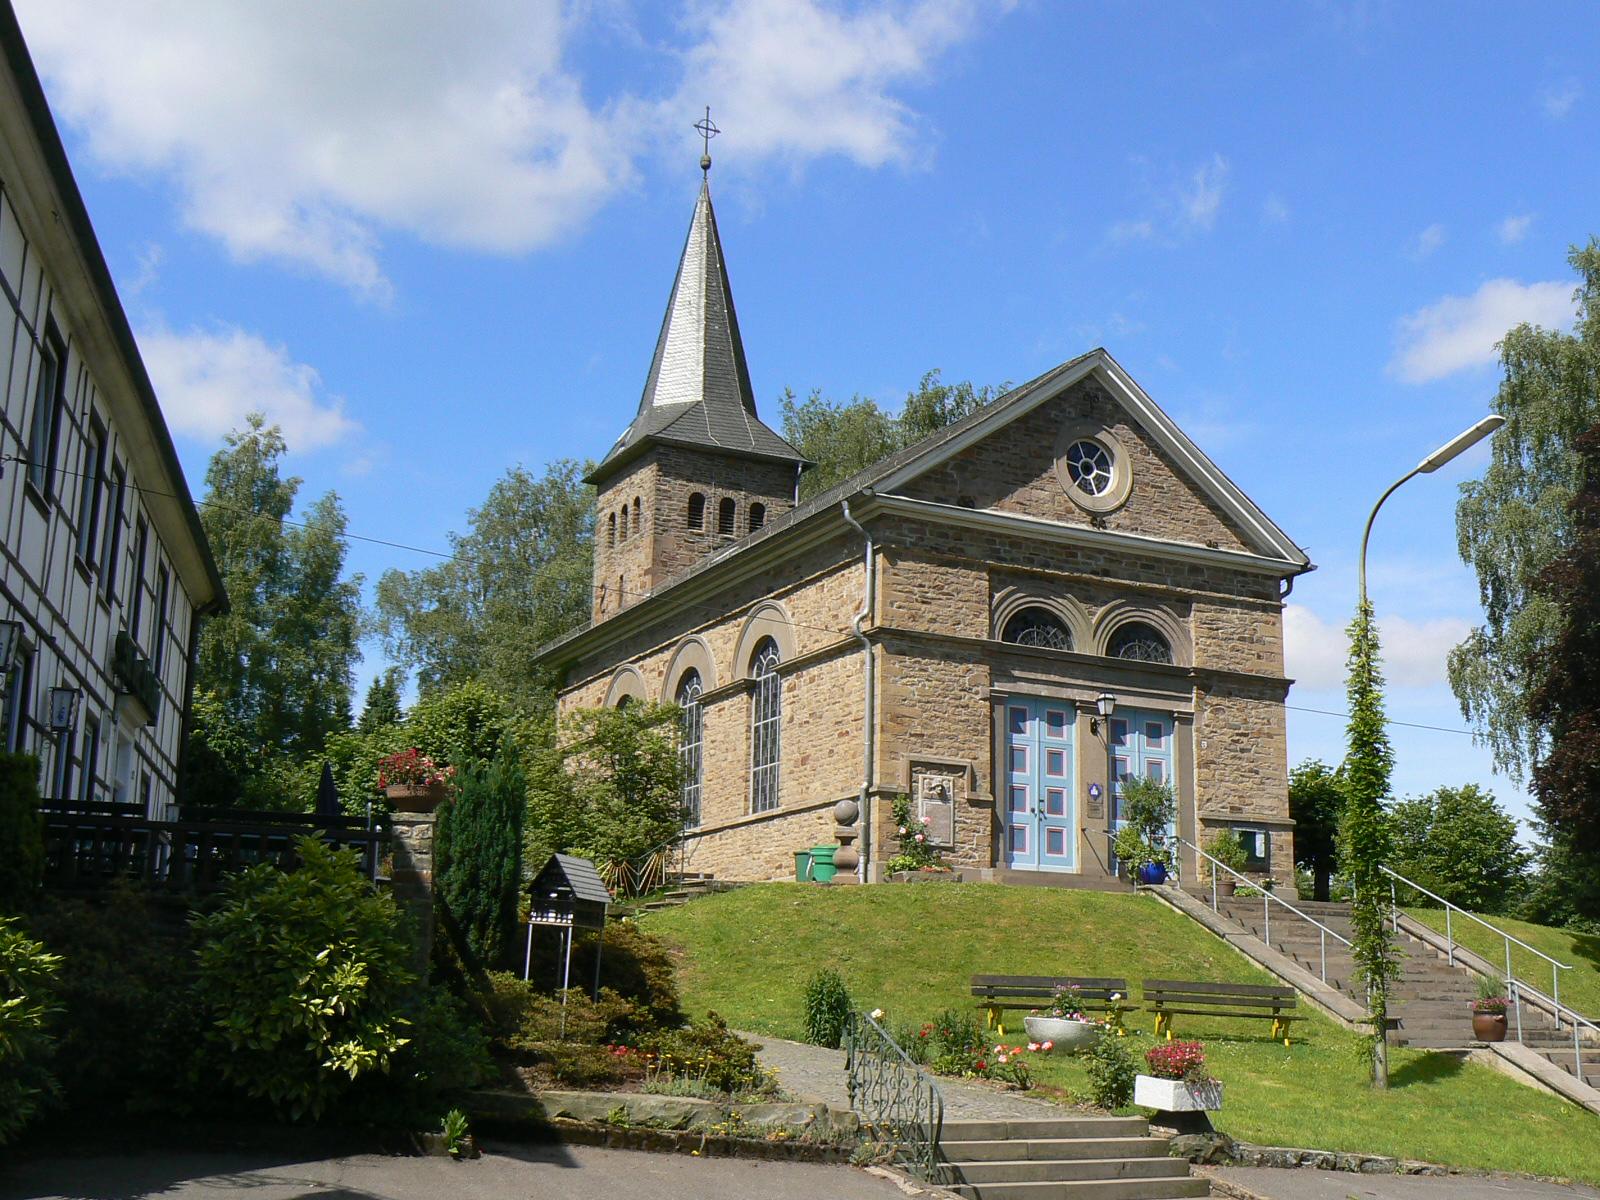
point(1514, 986)
point(1268, 899)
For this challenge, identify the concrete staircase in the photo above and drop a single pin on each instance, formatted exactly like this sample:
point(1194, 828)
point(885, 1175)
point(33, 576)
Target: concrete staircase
point(684, 888)
point(1083, 1158)
point(1431, 1000)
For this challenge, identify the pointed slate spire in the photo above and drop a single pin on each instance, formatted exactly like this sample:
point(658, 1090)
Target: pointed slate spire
point(698, 391)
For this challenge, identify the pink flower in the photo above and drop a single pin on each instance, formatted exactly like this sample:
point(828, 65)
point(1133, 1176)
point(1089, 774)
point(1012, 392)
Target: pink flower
point(1033, 1045)
point(1001, 1059)
point(927, 820)
point(1000, 1049)
point(902, 830)
point(1047, 1045)
point(921, 838)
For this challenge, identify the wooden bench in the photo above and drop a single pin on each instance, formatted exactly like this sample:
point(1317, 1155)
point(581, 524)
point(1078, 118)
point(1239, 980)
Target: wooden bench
point(996, 993)
point(1263, 1002)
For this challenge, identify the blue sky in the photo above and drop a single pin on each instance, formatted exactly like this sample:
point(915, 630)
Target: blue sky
point(435, 245)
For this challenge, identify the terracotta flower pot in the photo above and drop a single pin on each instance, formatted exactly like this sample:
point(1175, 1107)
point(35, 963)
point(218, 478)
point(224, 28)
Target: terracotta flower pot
point(414, 797)
point(1489, 1027)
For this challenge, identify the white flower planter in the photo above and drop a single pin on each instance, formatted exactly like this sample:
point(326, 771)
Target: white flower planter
point(1067, 1035)
point(1175, 1095)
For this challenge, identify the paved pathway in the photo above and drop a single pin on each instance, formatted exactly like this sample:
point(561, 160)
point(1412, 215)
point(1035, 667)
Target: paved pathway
point(816, 1073)
point(1306, 1184)
point(568, 1172)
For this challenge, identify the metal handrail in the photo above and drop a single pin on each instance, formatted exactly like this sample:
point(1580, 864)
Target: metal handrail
point(1394, 917)
point(894, 1096)
point(1269, 898)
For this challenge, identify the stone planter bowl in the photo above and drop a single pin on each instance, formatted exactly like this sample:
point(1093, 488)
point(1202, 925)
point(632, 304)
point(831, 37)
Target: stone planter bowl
point(1175, 1095)
point(1067, 1035)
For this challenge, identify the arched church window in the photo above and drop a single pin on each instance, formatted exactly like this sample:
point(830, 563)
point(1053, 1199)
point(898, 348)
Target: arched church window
point(638, 521)
point(1037, 627)
point(689, 741)
point(725, 516)
point(611, 530)
point(697, 510)
point(622, 523)
point(766, 717)
point(758, 516)
point(1141, 642)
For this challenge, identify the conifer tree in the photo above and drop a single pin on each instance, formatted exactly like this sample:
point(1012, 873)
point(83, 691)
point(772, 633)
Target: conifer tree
point(478, 843)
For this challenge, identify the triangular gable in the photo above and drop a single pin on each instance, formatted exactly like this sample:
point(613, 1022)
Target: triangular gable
point(1257, 532)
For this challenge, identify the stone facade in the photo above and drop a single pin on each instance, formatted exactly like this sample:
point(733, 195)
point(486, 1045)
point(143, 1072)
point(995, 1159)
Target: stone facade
point(959, 548)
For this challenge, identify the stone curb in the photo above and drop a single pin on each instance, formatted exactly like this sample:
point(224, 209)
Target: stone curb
point(664, 1141)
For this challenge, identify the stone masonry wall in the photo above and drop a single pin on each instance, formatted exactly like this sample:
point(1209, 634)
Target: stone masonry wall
point(1241, 760)
point(681, 473)
point(622, 546)
point(1015, 471)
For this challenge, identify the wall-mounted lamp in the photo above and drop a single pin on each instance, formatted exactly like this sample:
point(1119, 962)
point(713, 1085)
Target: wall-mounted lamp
point(10, 641)
point(64, 708)
point(1104, 705)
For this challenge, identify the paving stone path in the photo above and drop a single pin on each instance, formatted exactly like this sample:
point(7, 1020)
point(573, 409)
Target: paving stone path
point(816, 1073)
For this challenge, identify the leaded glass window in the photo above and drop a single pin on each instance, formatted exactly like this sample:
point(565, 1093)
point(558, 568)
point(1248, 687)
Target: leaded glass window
point(1142, 642)
point(1037, 627)
point(766, 716)
point(689, 742)
point(1089, 466)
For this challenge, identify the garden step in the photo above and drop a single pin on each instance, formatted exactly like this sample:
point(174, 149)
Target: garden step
point(1032, 1170)
point(1089, 1189)
point(1049, 1128)
point(1052, 1149)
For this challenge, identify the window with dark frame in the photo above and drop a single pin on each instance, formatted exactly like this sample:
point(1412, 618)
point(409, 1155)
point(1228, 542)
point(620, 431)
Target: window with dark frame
point(622, 524)
point(158, 652)
point(611, 529)
point(758, 516)
point(113, 539)
point(766, 720)
point(44, 431)
point(91, 758)
point(697, 510)
point(18, 688)
point(1141, 642)
point(690, 731)
point(141, 548)
point(1037, 627)
point(725, 516)
point(1257, 849)
point(92, 484)
point(638, 518)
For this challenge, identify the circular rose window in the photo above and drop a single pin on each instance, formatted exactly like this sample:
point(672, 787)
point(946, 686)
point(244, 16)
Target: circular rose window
point(1089, 467)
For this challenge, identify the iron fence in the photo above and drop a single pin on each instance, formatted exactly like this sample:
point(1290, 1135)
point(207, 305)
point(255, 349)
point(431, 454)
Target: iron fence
point(896, 1099)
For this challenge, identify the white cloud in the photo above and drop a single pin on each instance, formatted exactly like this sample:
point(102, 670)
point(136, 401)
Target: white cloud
point(1559, 98)
point(1429, 240)
point(1274, 210)
point(305, 135)
point(1415, 653)
point(1132, 231)
point(1200, 198)
point(1460, 332)
point(208, 381)
point(805, 78)
point(1514, 228)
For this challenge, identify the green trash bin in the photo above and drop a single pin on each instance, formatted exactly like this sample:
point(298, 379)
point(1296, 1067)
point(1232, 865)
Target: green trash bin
point(822, 868)
point(802, 866)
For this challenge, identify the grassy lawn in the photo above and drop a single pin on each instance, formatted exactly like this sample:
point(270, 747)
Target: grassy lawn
point(910, 949)
point(1580, 987)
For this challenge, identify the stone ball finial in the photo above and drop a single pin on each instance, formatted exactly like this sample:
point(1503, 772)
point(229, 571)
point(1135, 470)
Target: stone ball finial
point(846, 811)
point(705, 162)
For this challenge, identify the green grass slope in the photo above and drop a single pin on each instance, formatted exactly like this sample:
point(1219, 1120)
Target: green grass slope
point(910, 949)
point(1580, 987)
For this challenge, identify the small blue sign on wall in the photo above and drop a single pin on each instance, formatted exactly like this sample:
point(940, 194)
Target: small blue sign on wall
point(1097, 806)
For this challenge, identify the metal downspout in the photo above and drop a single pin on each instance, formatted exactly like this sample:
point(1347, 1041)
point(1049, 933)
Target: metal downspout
point(868, 689)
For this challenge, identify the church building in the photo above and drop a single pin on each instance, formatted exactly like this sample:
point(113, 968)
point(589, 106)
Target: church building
point(1059, 592)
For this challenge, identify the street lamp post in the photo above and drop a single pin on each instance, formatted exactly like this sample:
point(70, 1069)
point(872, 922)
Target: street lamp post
point(1464, 440)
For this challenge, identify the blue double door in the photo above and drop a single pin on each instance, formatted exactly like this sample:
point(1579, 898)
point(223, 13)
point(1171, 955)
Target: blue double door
point(1040, 826)
point(1141, 748)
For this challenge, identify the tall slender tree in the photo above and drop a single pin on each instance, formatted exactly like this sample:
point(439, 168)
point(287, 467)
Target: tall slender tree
point(1365, 840)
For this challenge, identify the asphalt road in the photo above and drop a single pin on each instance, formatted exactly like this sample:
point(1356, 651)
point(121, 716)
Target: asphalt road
point(1307, 1184)
point(507, 1173)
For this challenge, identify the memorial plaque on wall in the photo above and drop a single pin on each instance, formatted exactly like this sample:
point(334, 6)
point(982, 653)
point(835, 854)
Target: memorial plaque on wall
point(934, 802)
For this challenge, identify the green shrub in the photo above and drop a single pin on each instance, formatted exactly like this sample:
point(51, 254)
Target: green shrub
point(827, 1002)
point(303, 976)
point(709, 1050)
point(915, 1038)
point(21, 831)
point(579, 1046)
point(955, 1032)
point(478, 854)
point(634, 964)
point(129, 1017)
point(27, 1003)
point(1111, 1071)
point(1224, 846)
point(448, 1050)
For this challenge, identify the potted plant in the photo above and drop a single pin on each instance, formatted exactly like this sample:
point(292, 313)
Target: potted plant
point(1489, 1011)
point(1146, 806)
point(412, 781)
point(1061, 1022)
point(1224, 846)
point(1177, 1081)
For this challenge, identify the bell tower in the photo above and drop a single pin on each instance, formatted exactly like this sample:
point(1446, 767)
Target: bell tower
point(696, 468)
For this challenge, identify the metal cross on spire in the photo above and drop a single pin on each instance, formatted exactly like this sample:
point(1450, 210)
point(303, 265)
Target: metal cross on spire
point(707, 132)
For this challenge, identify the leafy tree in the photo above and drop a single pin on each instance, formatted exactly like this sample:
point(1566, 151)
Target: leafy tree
point(519, 578)
point(382, 706)
point(21, 831)
point(280, 662)
point(479, 852)
point(1316, 804)
point(27, 1004)
point(1458, 842)
point(1364, 833)
point(1517, 519)
point(1566, 700)
point(607, 787)
point(845, 438)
